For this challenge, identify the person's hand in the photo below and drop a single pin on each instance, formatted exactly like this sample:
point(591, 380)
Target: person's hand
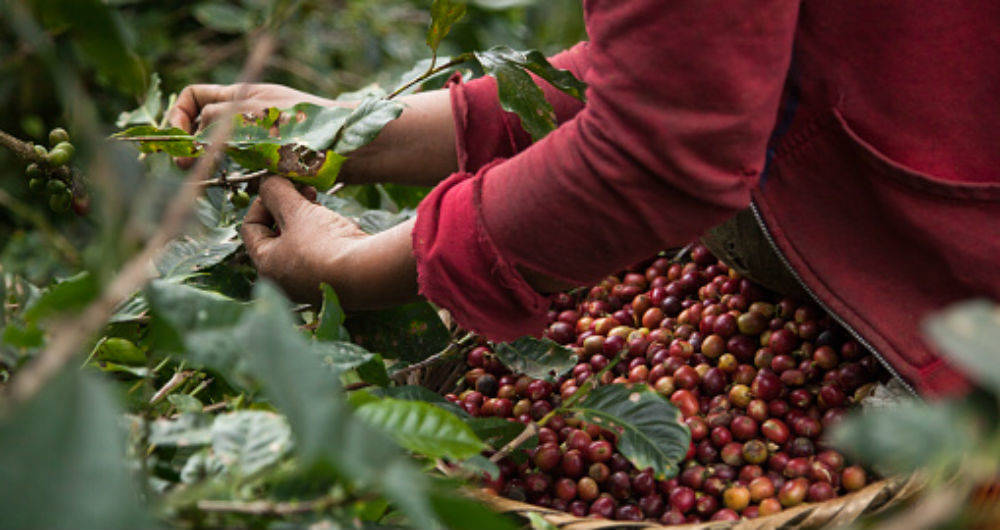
point(199, 105)
point(300, 244)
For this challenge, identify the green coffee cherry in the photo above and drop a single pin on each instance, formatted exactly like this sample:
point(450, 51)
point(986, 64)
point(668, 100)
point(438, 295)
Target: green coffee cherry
point(60, 202)
point(55, 186)
point(58, 135)
point(41, 151)
point(61, 154)
point(36, 185)
point(33, 171)
point(240, 199)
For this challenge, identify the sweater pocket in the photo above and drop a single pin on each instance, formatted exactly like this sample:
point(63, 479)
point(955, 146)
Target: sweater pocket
point(882, 244)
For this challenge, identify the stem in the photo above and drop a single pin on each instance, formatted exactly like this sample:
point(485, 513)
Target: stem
point(449, 351)
point(169, 386)
point(22, 149)
point(430, 71)
point(235, 179)
point(157, 138)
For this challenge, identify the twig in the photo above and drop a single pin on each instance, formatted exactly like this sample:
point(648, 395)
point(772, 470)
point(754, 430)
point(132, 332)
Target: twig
point(235, 179)
point(430, 71)
point(681, 253)
point(20, 148)
point(174, 382)
point(215, 406)
point(266, 507)
point(530, 430)
point(137, 271)
point(453, 348)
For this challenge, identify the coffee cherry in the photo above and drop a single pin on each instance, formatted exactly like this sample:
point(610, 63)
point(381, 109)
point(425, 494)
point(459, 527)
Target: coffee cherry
point(61, 154)
point(36, 185)
point(770, 506)
point(572, 463)
point(736, 497)
point(59, 202)
point(603, 507)
point(599, 472)
point(820, 491)
point(644, 483)
point(853, 478)
point(743, 428)
point(673, 516)
point(619, 485)
point(796, 467)
point(754, 452)
point(587, 489)
point(761, 488)
point(240, 199)
point(41, 152)
point(599, 451)
point(793, 492)
point(706, 505)
point(766, 385)
point(566, 489)
point(58, 135)
point(832, 459)
point(775, 430)
point(547, 457)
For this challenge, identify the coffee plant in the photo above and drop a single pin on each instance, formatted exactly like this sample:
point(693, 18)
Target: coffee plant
point(150, 379)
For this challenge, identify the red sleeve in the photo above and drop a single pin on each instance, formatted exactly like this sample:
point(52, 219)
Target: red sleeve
point(484, 131)
point(682, 98)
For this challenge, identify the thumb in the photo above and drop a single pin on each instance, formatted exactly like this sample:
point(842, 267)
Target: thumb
point(280, 197)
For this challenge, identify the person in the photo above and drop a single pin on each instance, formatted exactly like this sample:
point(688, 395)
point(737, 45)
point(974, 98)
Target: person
point(861, 135)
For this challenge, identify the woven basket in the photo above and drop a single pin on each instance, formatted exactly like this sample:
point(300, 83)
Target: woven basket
point(442, 376)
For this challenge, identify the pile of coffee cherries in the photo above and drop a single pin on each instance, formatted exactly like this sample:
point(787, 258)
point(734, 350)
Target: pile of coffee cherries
point(758, 379)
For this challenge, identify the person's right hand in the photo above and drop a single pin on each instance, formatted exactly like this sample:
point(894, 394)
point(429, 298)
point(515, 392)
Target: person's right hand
point(199, 105)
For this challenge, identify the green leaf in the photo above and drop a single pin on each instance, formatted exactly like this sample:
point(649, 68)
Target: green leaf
point(480, 465)
point(422, 428)
point(374, 372)
point(420, 393)
point(498, 432)
point(61, 460)
point(518, 93)
point(444, 14)
point(185, 403)
point(29, 336)
point(331, 317)
point(651, 431)
point(969, 333)
point(224, 18)
point(907, 437)
point(171, 140)
point(537, 358)
point(188, 255)
point(119, 350)
point(99, 34)
point(248, 441)
point(365, 122)
point(406, 332)
point(188, 430)
point(539, 523)
point(341, 356)
point(148, 113)
point(457, 511)
point(130, 310)
point(565, 81)
point(70, 294)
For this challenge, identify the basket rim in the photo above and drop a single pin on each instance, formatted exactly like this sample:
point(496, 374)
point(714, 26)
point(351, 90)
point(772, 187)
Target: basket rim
point(873, 497)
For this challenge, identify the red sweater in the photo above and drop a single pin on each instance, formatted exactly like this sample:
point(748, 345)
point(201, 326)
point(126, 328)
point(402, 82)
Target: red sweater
point(872, 123)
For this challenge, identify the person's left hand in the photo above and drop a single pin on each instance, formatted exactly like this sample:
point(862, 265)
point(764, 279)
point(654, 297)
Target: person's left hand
point(300, 244)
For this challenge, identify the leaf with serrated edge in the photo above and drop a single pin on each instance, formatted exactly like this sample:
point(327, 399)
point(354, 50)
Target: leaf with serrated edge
point(422, 428)
point(538, 358)
point(652, 433)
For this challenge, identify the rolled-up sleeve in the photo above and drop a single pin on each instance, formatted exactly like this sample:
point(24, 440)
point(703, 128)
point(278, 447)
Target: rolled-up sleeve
point(682, 98)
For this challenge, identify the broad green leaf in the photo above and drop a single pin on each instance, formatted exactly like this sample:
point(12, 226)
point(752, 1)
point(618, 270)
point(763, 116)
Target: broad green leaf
point(29, 336)
point(420, 393)
point(313, 402)
point(409, 332)
point(148, 113)
point(365, 122)
point(538, 358)
point(907, 437)
point(518, 93)
point(497, 432)
point(188, 430)
point(457, 511)
point(130, 310)
point(61, 459)
point(185, 403)
point(536, 62)
point(651, 431)
point(375, 221)
point(422, 428)
point(305, 124)
point(171, 140)
point(374, 371)
point(248, 441)
point(224, 17)
point(67, 295)
point(331, 317)
point(969, 333)
point(444, 14)
point(119, 350)
point(99, 35)
point(189, 255)
point(201, 465)
point(341, 356)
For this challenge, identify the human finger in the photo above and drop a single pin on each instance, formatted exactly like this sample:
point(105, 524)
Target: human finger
point(280, 197)
point(190, 102)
